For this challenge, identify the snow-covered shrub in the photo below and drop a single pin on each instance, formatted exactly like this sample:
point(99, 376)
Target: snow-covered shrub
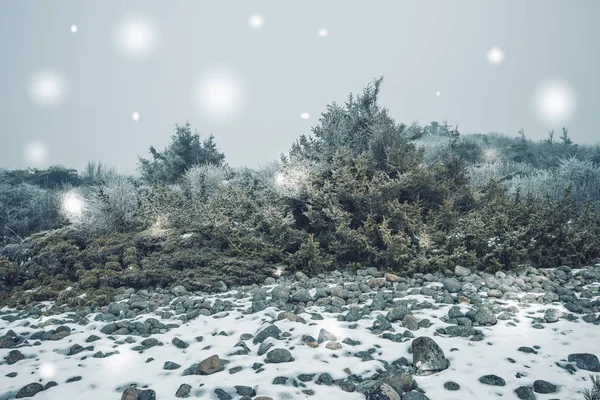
point(27, 209)
point(111, 207)
point(205, 181)
point(480, 175)
point(594, 392)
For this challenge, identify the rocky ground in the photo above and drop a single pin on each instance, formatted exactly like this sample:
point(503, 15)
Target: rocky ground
point(527, 334)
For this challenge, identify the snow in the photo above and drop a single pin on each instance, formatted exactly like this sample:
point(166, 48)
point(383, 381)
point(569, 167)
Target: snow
point(305, 115)
point(219, 94)
point(554, 101)
point(323, 32)
point(72, 205)
point(74, 28)
point(47, 88)
point(438, 93)
point(102, 377)
point(495, 55)
point(256, 21)
point(135, 116)
point(136, 36)
point(36, 153)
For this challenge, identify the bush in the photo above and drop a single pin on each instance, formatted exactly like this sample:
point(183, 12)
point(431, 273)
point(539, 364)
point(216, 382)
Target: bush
point(184, 151)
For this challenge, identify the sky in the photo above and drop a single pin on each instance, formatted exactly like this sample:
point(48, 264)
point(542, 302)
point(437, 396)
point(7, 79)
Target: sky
point(86, 80)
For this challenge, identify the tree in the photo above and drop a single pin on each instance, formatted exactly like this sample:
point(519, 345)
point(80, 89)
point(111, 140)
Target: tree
point(184, 151)
point(565, 137)
point(550, 139)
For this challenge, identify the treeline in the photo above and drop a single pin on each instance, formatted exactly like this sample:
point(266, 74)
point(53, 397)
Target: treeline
point(361, 190)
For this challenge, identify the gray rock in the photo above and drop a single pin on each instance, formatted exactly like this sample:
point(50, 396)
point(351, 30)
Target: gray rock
point(452, 386)
point(452, 285)
point(410, 322)
point(461, 271)
point(277, 356)
point(326, 336)
point(414, 395)
point(179, 343)
point(270, 331)
point(14, 356)
point(170, 365)
point(586, 361)
point(397, 313)
point(382, 391)
point(493, 380)
point(544, 387)
point(183, 391)
point(428, 357)
point(301, 296)
point(29, 390)
point(524, 393)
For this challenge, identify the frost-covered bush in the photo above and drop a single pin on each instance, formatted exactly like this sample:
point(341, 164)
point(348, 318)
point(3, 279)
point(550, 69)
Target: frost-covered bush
point(114, 206)
point(594, 392)
point(26, 209)
point(480, 175)
point(205, 181)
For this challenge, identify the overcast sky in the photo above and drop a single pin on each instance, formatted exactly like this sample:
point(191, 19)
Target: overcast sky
point(73, 73)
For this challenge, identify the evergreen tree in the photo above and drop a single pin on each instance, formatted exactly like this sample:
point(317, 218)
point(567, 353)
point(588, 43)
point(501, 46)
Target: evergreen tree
point(184, 151)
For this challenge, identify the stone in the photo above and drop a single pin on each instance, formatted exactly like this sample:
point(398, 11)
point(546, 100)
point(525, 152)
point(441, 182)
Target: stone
point(452, 386)
point(183, 391)
point(397, 313)
point(210, 365)
point(382, 391)
point(414, 395)
point(326, 336)
point(428, 357)
point(179, 343)
point(461, 271)
point(524, 393)
point(270, 331)
point(452, 285)
point(493, 380)
point(14, 356)
point(586, 361)
point(29, 390)
point(277, 356)
point(544, 387)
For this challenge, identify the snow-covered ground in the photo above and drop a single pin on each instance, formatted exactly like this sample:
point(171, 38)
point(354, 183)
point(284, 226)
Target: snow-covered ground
point(106, 378)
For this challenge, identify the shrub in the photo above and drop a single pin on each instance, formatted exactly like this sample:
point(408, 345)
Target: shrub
point(184, 151)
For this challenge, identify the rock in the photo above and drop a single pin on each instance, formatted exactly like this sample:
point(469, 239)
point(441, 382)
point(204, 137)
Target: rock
point(223, 395)
point(483, 316)
point(586, 361)
point(544, 387)
point(493, 380)
point(29, 390)
point(382, 391)
point(353, 314)
point(461, 271)
point(92, 338)
point(410, 322)
point(178, 291)
point(147, 394)
point(451, 386)
point(277, 356)
point(452, 285)
point(270, 331)
point(414, 395)
point(524, 393)
point(301, 296)
point(183, 391)
point(397, 313)
point(245, 391)
point(326, 336)
point(552, 315)
point(400, 381)
point(325, 379)
point(428, 357)
point(170, 365)
point(210, 365)
point(179, 343)
point(333, 345)
point(14, 356)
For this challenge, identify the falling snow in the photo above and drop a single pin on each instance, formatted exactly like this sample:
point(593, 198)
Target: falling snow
point(256, 21)
point(135, 116)
point(36, 153)
point(554, 102)
point(219, 95)
point(136, 37)
point(495, 55)
point(47, 88)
